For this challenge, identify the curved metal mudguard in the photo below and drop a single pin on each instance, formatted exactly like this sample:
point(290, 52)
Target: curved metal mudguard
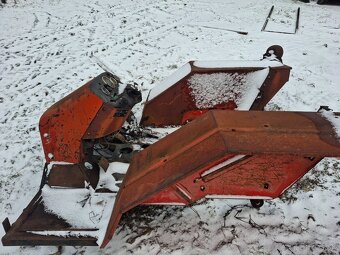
point(199, 86)
point(226, 153)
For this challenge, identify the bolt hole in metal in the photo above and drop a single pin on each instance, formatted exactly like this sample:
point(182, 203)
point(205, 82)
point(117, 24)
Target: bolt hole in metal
point(202, 188)
point(266, 185)
point(310, 158)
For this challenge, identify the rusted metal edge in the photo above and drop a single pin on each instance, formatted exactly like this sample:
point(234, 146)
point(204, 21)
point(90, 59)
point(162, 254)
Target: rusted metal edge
point(18, 236)
point(230, 124)
point(173, 105)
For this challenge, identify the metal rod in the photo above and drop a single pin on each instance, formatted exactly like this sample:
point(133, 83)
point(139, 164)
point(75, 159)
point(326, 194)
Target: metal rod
point(101, 64)
point(279, 32)
point(297, 23)
point(226, 29)
point(267, 19)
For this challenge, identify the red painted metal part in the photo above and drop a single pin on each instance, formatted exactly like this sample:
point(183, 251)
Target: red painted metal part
point(63, 125)
point(86, 113)
point(176, 105)
point(260, 176)
point(278, 148)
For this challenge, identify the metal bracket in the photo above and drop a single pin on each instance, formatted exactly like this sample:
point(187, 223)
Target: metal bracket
point(297, 22)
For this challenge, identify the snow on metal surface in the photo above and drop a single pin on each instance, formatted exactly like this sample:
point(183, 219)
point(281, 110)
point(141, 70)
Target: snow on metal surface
point(171, 80)
point(209, 90)
point(117, 167)
point(237, 63)
point(334, 120)
point(81, 208)
point(106, 180)
point(84, 208)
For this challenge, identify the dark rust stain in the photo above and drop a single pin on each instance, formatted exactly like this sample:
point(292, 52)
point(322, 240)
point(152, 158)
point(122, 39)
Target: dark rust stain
point(324, 126)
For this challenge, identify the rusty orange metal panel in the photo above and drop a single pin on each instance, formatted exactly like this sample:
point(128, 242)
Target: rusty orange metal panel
point(90, 112)
point(105, 122)
point(260, 176)
point(63, 125)
point(176, 105)
point(276, 145)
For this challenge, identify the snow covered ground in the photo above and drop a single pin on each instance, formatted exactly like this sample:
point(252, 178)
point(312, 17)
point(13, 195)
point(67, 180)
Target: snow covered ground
point(45, 49)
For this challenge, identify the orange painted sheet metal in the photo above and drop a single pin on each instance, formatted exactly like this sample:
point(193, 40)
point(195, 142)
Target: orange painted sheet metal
point(93, 111)
point(268, 146)
point(177, 105)
point(258, 176)
point(63, 125)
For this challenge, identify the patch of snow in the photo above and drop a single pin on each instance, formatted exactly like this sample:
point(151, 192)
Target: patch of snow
point(237, 63)
point(81, 208)
point(171, 80)
point(334, 120)
point(51, 164)
point(117, 167)
point(209, 90)
point(106, 179)
point(64, 233)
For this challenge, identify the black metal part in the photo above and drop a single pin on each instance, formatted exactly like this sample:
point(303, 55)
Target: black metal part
point(128, 98)
point(6, 224)
point(297, 22)
point(267, 19)
point(329, 2)
point(105, 86)
point(325, 108)
point(275, 50)
point(257, 203)
point(113, 152)
point(226, 29)
point(44, 176)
